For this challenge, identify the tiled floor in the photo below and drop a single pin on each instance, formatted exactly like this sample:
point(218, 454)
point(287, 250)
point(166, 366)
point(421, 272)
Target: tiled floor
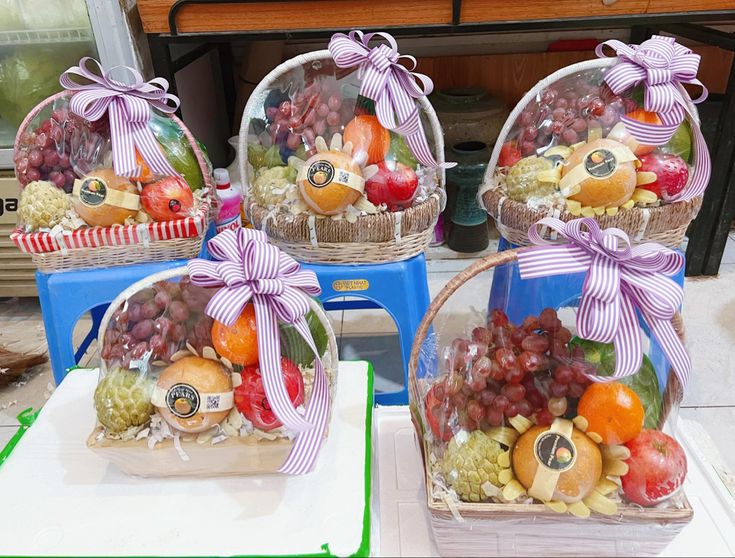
point(709, 314)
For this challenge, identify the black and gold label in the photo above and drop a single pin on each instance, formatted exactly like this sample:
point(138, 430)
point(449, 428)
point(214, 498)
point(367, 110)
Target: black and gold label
point(320, 174)
point(555, 451)
point(600, 163)
point(182, 400)
point(93, 191)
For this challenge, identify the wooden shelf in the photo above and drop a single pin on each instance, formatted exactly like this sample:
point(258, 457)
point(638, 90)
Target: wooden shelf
point(482, 11)
point(307, 15)
point(673, 6)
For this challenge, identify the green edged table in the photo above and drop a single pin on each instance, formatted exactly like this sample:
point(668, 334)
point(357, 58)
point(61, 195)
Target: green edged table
point(66, 501)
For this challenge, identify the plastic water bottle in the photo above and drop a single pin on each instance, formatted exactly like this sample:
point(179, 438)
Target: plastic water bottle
point(230, 201)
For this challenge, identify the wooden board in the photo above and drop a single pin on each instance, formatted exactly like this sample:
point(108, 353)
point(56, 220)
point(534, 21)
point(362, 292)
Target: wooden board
point(672, 6)
point(509, 76)
point(479, 11)
point(305, 14)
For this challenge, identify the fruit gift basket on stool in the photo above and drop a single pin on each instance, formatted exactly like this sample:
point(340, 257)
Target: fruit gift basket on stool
point(109, 175)
point(616, 139)
point(219, 367)
point(546, 437)
point(341, 154)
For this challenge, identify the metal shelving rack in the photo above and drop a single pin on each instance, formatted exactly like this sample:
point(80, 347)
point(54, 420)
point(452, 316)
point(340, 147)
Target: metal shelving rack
point(708, 233)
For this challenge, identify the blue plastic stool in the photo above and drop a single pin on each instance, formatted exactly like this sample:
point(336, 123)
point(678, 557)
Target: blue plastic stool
point(400, 288)
point(66, 296)
point(519, 298)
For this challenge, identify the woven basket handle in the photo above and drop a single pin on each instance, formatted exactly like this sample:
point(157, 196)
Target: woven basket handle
point(673, 394)
point(488, 262)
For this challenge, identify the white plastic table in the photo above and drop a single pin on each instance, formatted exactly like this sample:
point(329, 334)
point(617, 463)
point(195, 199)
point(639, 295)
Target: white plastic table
point(60, 499)
point(402, 528)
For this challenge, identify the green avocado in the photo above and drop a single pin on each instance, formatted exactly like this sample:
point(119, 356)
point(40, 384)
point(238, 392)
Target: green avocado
point(644, 382)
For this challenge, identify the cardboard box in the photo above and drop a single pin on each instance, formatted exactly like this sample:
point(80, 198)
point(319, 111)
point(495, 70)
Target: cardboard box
point(17, 272)
point(9, 194)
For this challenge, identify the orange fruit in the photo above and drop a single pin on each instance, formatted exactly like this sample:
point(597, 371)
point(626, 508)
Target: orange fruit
point(146, 175)
point(239, 342)
point(321, 191)
point(612, 190)
point(573, 484)
point(648, 118)
point(613, 411)
point(368, 135)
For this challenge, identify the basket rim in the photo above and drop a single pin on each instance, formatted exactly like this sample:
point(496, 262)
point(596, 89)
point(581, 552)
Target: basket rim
point(182, 271)
point(595, 63)
point(564, 215)
point(673, 395)
point(283, 218)
point(296, 62)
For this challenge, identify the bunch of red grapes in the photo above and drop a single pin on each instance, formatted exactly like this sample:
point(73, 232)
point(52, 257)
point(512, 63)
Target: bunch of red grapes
point(312, 112)
point(504, 371)
point(157, 322)
point(565, 111)
point(61, 149)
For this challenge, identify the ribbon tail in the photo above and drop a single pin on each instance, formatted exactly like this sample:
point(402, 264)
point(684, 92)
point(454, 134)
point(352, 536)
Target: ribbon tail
point(305, 451)
point(409, 122)
point(628, 349)
point(699, 179)
point(150, 150)
point(663, 331)
point(123, 144)
point(269, 354)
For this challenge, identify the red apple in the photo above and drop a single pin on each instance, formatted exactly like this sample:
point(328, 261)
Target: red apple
point(394, 184)
point(668, 174)
point(250, 397)
point(656, 468)
point(167, 199)
point(438, 412)
point(509, 154)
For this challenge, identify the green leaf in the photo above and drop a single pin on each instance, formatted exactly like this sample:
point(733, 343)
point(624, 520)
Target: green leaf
point(177, 149)
point(400, 151)
point(644, 382)
point(293, 346)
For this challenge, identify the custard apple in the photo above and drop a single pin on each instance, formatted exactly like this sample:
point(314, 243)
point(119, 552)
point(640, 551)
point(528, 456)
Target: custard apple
point(42, 205)
point(471, 460)
point(523, 181)
point(271, 185)
point(123, 399)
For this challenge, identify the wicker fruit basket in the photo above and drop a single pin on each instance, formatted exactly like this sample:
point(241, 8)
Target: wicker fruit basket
point(530, 134)
point(71, 149)
point(366, 234)
point(234, 446)
point(464, 528)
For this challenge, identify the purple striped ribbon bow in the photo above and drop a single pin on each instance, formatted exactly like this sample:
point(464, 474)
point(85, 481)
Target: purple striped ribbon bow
point(391, 85)
point(129, 110)
point(661, 65)
point(620, 278)
point(252, 270)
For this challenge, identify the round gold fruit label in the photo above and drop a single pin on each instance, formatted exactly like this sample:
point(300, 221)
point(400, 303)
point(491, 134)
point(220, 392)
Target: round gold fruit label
point(320, 174)
point(182, 400)
point(600, 163)
point(555, 451)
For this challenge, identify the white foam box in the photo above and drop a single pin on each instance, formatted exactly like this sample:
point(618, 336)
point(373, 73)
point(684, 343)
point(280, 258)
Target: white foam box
point(60, 499)
point(401, 521)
